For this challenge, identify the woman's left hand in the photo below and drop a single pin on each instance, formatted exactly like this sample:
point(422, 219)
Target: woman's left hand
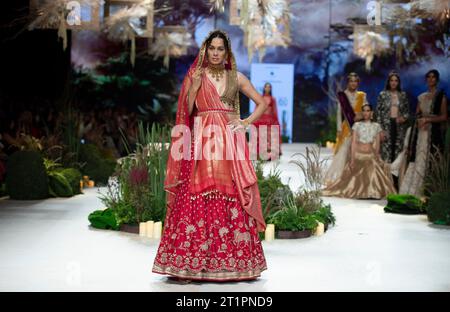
point(236, 125)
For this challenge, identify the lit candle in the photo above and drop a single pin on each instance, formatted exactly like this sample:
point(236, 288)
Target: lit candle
point(320, 229)
point(270, 232)
point(150, 226)
point(91, 183)
point(143, 229)
point(157, 229)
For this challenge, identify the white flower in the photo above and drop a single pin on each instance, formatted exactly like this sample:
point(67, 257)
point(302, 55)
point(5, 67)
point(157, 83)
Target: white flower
point(190, 229)
point(234, 213)
point(223, 231)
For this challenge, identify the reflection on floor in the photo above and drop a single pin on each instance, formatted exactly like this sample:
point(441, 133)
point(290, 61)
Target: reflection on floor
point(48, 246)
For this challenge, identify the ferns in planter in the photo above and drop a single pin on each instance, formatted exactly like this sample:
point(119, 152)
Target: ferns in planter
point(293, 218)
point(136, 193)
point(325, 215)
point(437, 185)
point(154, 143)
point(58, 184)
point(272, 191)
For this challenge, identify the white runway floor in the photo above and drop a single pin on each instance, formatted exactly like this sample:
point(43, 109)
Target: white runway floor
point(49, 246)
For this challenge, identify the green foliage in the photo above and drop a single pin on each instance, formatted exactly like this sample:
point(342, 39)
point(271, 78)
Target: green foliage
point(97, 166)
point(293, 218)
point(439, 208)
point(148, 87)
point(3, 189)
point(135, 202)
point(437, 179)
point(328, 133)
point(325, 215)
point(103, 219)
point(294, 212)
point(63, 182)
point(404, 204)
point(284, 139)
point(272, 191)
point(73, 177)
point(115, 199)
point(310, 201)
point(27, 178)
point(58, 184)
point(154, 142)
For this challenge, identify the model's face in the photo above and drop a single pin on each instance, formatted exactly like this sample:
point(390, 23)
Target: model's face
point(393, 83)
point(367, 113)
point(267, 88)
point(432, 80)
point(353, 84)
point(216, 51)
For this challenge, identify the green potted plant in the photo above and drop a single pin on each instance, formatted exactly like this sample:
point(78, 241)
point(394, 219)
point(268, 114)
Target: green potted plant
point(136, 192)
point(293, 221)
point(437, 185)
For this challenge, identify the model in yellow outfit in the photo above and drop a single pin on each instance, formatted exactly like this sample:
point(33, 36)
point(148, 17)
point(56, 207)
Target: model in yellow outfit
point(357, 99)
point(345, 132)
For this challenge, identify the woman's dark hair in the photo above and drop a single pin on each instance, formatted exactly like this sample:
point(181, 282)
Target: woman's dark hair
point(434, 72)
point(353, 75)
point(217, 34)
point(264, 90)
point(366, 105)
point(388, 81)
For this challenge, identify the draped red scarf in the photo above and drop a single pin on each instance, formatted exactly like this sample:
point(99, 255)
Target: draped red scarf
point(242, 171)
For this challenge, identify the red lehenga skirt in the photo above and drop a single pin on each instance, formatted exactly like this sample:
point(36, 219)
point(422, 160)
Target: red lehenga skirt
point(209, 236)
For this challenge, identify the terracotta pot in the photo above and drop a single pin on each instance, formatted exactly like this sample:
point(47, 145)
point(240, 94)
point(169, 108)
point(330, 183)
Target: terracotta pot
point(293, 234)
point(130, 228)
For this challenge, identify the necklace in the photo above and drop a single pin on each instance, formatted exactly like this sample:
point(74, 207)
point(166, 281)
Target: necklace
point(216, 71)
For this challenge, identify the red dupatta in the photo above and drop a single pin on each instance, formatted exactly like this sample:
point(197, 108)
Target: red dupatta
point(242, 171)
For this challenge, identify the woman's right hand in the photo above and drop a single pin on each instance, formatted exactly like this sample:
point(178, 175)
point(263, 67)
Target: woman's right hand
point(197, 79)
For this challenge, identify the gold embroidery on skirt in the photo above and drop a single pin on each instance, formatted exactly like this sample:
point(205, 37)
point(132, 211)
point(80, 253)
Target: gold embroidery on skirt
point(213, 194)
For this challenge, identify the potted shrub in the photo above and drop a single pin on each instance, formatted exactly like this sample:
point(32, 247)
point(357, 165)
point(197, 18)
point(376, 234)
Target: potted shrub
point(295, 215)
point(325, 215)
point(26, 177)
point(437, 185)
point(293, 221)
point(136, 192)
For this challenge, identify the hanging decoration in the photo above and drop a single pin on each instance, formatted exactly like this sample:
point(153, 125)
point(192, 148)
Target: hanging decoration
point(438, 9)
point(367, 43)
point(63, 15)
point(134, 20)
point(234, 13)
point(217, 5)
point(264, 22)
point(171, 41)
